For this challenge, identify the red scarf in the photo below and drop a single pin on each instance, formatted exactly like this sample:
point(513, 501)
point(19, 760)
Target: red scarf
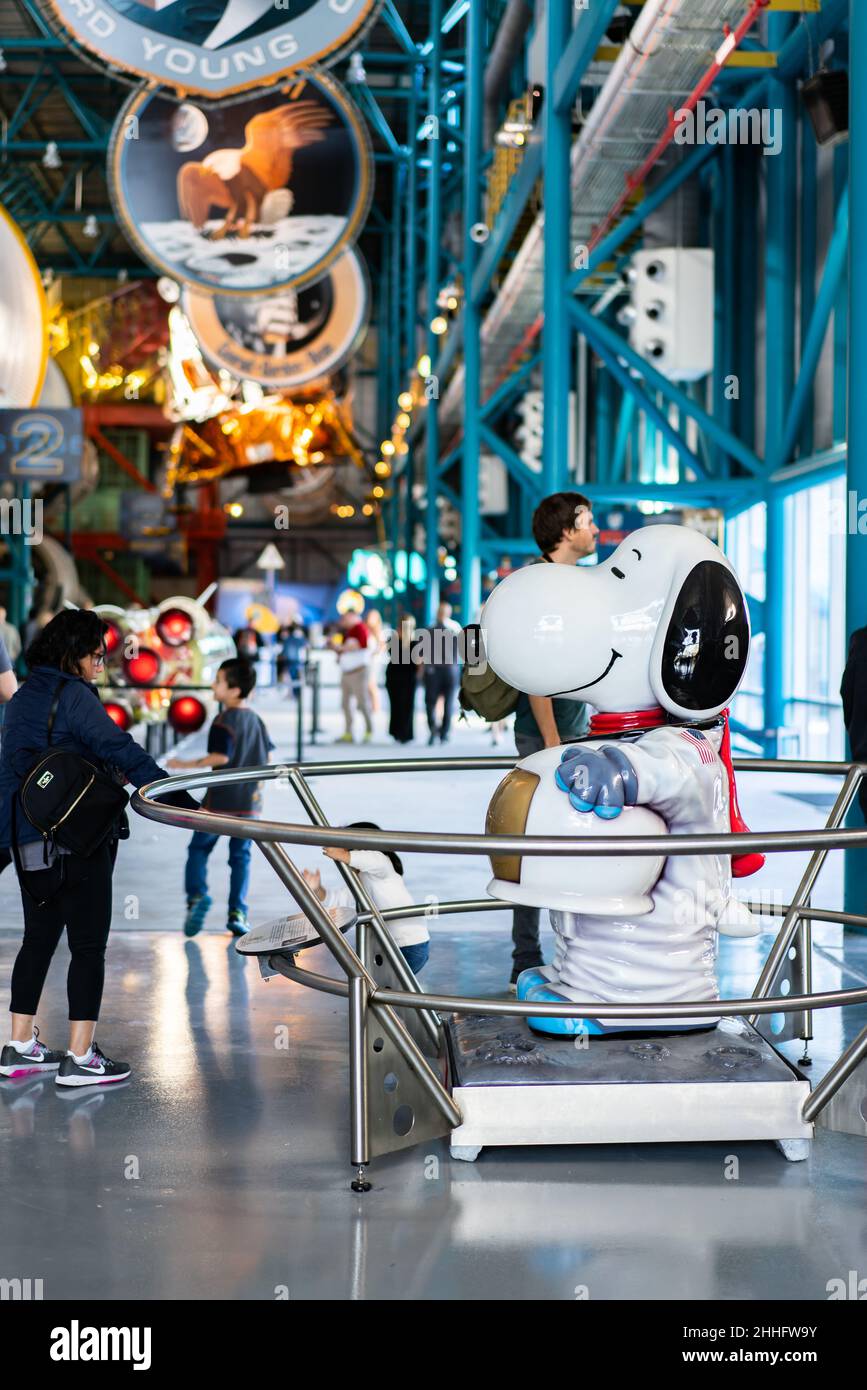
point(605, 725)
point(742, 864)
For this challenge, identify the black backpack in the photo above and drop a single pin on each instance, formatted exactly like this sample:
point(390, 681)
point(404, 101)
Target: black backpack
point(72, 804)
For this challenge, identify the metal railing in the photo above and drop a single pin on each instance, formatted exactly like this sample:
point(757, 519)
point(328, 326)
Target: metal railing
point(380, 986)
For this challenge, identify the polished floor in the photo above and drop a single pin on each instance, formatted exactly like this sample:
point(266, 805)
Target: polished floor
point(220, 1171)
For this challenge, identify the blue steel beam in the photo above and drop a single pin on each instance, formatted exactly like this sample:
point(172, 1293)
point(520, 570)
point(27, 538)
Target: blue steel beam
point(611, 243)
point(38, 19)
point(835, 265)
point(471, 579)
point(574, 52)
point(604, 410)
point(647, 468)
point(450, 459)
point(26, 105)
point(856, 477)
point(808, 257)
point(714, 492)
point(727, 493)
point(432, 273)
point(798, 50)
point(519, 470)
point(780, 279)
point(647, 404)
point(487, 534)
point(556, 336)
point(453, 16)
point(509, 216)
point(409, 171)
point(399, 29)
point(500, 398)
point(724, 354)
point(369, 104)
point(747, 294)
point(824, 467)
point(792, 58)
point(624, 428)
point(841, 312)
point(615, 346)
point(392, 253)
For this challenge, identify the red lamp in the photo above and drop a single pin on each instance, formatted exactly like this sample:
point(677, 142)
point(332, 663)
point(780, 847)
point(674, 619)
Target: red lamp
point(143, 668)
point(187, 714)
point(113, 637)
point(120, 714)
point(174, 627)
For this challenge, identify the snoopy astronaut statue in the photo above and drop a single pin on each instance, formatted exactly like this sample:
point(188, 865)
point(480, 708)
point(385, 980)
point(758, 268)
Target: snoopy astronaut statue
point(656, 639)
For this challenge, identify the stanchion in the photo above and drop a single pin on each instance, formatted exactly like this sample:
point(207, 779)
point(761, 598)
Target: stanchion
point(298, 691)
point(313, 675)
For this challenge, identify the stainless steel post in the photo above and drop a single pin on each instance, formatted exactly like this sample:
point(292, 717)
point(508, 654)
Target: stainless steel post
point(359, 1141)
point(312, 907)
point(350, 963)
point(806, 930)
point(790, 922)
point(836, 1075)
point(355, 885)
point(297, 688)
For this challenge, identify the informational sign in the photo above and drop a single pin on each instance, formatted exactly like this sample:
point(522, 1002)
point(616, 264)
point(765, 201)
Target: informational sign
point(270, 559)
point(214, 48)
point(246, 196)
point(24, 317)
point(615, 524)
point(288, 339)
point(41, 445)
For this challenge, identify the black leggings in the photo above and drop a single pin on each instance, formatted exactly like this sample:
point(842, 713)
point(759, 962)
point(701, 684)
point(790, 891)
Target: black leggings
point(83, 906)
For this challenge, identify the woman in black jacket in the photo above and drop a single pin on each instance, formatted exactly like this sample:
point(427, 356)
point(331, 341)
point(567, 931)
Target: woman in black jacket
point(61, 889)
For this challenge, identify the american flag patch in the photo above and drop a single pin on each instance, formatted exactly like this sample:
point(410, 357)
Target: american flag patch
point(700, 743)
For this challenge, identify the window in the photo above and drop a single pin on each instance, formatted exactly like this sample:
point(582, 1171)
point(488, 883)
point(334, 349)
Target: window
point(815, 642)
point(745, 547)
point(816, 647)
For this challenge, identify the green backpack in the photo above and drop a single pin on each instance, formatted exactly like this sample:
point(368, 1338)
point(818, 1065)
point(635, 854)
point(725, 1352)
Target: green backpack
point(482, 690)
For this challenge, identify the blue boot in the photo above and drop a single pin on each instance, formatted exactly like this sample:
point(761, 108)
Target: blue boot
point(560, 1027)
point(527, 980)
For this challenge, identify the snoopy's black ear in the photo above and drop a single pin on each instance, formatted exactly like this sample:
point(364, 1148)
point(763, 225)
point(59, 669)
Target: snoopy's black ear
point(706, 646)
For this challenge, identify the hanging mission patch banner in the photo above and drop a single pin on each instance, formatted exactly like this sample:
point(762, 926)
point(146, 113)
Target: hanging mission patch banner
point(288, 339)
point(24, 319)
point(214, 47)
point(247, 195)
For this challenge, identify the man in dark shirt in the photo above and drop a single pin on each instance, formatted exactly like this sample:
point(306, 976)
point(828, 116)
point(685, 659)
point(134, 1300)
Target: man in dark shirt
point(440, 645)
point(853, 689)
point(237, 738)
point(565, 532)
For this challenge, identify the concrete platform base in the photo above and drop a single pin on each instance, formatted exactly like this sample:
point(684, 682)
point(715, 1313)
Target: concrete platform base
point(725, 1083)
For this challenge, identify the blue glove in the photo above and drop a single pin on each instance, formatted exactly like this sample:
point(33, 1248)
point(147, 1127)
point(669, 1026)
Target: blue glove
point(603, 781)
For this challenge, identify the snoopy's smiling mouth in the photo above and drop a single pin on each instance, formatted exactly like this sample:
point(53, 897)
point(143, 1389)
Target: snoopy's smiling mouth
point(615, 656)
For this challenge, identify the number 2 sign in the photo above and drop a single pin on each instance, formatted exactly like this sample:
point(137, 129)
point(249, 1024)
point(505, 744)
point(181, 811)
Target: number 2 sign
point(41, 445)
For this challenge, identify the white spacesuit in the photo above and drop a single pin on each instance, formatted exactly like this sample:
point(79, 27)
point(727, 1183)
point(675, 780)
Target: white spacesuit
point(656, 639)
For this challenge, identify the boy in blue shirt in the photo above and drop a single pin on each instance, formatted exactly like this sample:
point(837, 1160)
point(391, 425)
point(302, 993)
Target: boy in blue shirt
point(237, 738)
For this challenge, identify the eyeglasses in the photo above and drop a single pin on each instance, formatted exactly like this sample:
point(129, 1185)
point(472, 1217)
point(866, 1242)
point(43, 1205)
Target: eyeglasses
point(98, 658)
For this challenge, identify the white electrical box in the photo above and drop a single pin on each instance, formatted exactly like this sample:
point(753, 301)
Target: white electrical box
point(671, 310)
point(493, 486)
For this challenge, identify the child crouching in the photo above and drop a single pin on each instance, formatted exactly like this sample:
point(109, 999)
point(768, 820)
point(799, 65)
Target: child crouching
point(382, 876)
